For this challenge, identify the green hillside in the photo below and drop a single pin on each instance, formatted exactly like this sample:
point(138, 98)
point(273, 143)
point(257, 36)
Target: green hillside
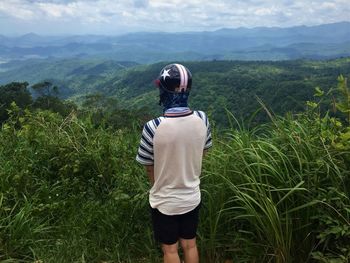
point(71, 75)
point(282, 85)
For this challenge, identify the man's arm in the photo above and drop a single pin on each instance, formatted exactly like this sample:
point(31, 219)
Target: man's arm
point(150, 173)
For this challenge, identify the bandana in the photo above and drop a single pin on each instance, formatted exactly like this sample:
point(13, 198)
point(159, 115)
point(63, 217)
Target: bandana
point(172, 100)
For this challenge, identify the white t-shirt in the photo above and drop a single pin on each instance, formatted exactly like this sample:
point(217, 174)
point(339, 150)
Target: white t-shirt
point(174, 144)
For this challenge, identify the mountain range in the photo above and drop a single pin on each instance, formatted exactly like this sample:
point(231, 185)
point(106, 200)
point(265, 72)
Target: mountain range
point(261, 43)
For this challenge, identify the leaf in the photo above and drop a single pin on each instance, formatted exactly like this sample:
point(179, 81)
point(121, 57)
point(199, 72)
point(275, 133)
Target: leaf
point(345, 136)
point(342, 107)
point(311, 104)
point(318, 92)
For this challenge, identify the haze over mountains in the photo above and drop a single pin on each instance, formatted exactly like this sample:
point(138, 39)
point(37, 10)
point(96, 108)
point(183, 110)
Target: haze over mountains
point(123, 67)
point(262, 43)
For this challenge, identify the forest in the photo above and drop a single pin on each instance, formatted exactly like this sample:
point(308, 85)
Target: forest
point(275, 185)
point(235, 85)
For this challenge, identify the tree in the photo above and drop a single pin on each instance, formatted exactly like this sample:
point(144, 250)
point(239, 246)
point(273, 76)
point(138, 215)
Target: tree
point(48, 99)
point(45, 88)
point(14, 92)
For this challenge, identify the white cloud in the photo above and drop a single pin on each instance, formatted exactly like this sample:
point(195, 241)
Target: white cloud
point(112, 16)
point(15, 9)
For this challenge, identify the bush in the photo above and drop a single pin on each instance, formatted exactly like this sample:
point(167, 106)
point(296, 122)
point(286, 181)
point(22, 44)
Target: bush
point(72, 191)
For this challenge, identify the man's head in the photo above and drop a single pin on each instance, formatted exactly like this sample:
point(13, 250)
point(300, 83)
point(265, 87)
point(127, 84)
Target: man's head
point(174, 82)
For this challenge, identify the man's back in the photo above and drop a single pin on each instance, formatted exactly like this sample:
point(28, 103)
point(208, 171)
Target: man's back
point(178, 150)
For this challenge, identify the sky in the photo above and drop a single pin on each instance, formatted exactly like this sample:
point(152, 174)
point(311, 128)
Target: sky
point(113, 17)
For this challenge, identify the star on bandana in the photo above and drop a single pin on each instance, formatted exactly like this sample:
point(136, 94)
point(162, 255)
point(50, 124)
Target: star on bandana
point(165, 73)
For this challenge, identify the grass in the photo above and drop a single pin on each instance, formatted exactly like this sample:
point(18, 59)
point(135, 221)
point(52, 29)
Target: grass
point(73, 192)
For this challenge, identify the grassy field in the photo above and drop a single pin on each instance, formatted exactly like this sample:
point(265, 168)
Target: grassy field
point(71, 191)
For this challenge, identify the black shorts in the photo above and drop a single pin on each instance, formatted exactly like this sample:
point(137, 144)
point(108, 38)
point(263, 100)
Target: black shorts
point(168, 229)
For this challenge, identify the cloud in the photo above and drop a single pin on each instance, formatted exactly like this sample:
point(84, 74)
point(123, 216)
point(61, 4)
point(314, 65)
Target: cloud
point(140, 3)
point(110, 16)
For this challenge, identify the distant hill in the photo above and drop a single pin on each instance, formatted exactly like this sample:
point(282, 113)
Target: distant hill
point(261, 43)
point(72, 76)
point(283, 85)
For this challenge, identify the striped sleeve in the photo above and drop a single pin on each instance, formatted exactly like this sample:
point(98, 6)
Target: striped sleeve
point(203, 116)
point(145, 152)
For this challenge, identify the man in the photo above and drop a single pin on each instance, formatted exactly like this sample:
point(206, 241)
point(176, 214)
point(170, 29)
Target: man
point(171, 148)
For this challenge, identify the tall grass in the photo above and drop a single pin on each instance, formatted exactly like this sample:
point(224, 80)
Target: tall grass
point(270, 186)
point(71, 191)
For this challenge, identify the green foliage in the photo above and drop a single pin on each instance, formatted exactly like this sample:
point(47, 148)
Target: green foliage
point(48, 99)
point(283, 85)
point(334, 228)
point(273, 189)
point(333, 129)
point(45, 88)
point(71, 185)
point(19, 94)
point(13, 92)
point(73, 76)
point(106, 112)
point(71, 190)
point(344, 104)
point(54, 104)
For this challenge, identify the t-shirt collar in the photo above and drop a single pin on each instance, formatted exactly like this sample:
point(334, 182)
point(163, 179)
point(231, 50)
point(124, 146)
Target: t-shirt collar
point(177, 112)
